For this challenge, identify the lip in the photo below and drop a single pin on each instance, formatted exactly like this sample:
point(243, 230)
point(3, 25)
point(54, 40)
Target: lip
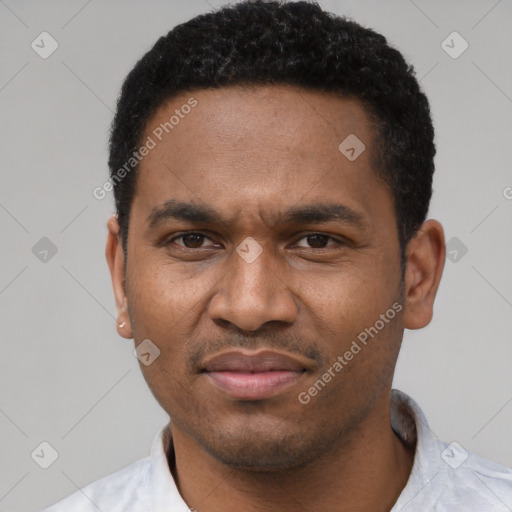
point(254, 376)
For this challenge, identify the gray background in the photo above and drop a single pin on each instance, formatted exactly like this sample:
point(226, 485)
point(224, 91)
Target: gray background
point(68, 379)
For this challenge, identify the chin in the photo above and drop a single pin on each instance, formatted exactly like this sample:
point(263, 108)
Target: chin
point(255, 451)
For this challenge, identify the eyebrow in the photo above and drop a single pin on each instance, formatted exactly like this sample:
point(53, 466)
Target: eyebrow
point(323, 213)
point(178, 210)
point(305, 214)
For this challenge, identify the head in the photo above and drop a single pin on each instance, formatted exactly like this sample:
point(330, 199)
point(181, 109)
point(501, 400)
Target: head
point(279, 204)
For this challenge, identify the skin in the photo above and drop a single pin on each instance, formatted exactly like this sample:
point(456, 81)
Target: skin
point(251, 154)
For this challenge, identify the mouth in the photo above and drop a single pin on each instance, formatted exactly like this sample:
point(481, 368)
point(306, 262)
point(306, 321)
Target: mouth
point(253, 376)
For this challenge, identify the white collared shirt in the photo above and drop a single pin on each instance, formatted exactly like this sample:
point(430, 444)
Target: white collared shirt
point(444, 477)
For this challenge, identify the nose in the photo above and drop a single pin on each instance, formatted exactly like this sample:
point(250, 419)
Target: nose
point(252, 294)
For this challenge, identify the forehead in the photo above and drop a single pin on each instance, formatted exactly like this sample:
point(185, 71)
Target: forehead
point(256, 146)
point(262, 116)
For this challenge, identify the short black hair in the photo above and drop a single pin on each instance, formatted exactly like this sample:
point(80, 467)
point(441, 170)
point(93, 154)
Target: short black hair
point(295, 43)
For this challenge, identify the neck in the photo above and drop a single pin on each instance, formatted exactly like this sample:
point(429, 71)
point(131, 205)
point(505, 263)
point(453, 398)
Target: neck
point(366, 470)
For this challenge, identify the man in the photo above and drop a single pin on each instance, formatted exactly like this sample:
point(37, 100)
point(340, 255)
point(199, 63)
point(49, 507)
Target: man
point(272, 168)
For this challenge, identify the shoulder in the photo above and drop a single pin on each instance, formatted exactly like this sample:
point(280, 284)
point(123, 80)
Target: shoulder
point(473, 481)
point(446, 477)
point(117, 492)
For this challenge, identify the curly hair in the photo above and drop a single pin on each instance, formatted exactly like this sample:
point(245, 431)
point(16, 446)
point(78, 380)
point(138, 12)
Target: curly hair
point(295, 43)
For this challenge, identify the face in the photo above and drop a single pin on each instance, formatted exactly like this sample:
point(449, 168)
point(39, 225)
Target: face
point(258, 257)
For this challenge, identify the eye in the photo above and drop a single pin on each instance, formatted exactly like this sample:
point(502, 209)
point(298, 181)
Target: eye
point(317, 241)
point(190, 240)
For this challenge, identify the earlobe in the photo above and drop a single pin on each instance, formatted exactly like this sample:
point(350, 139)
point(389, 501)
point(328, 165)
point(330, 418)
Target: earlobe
point(425, 257)
point(115, 259)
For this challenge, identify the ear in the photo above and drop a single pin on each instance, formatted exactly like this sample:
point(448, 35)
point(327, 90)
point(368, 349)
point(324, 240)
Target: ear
point(425, 257)
point(115, 260)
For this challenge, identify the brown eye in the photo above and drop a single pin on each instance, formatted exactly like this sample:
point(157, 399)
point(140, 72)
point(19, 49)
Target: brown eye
point(190, 240)
point(193, 240)
point(316, 241)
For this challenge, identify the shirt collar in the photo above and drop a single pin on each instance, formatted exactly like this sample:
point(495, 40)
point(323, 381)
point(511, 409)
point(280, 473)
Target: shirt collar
point(163, 494)
point(410, 424)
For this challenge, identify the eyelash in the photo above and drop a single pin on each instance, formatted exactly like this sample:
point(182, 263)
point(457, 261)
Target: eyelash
point(329, 237)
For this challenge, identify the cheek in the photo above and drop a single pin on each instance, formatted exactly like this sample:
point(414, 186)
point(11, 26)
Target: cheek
point(346, 308)
point(162, 295)
point(352, 295)
point(162, 304)
point(167, 303)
